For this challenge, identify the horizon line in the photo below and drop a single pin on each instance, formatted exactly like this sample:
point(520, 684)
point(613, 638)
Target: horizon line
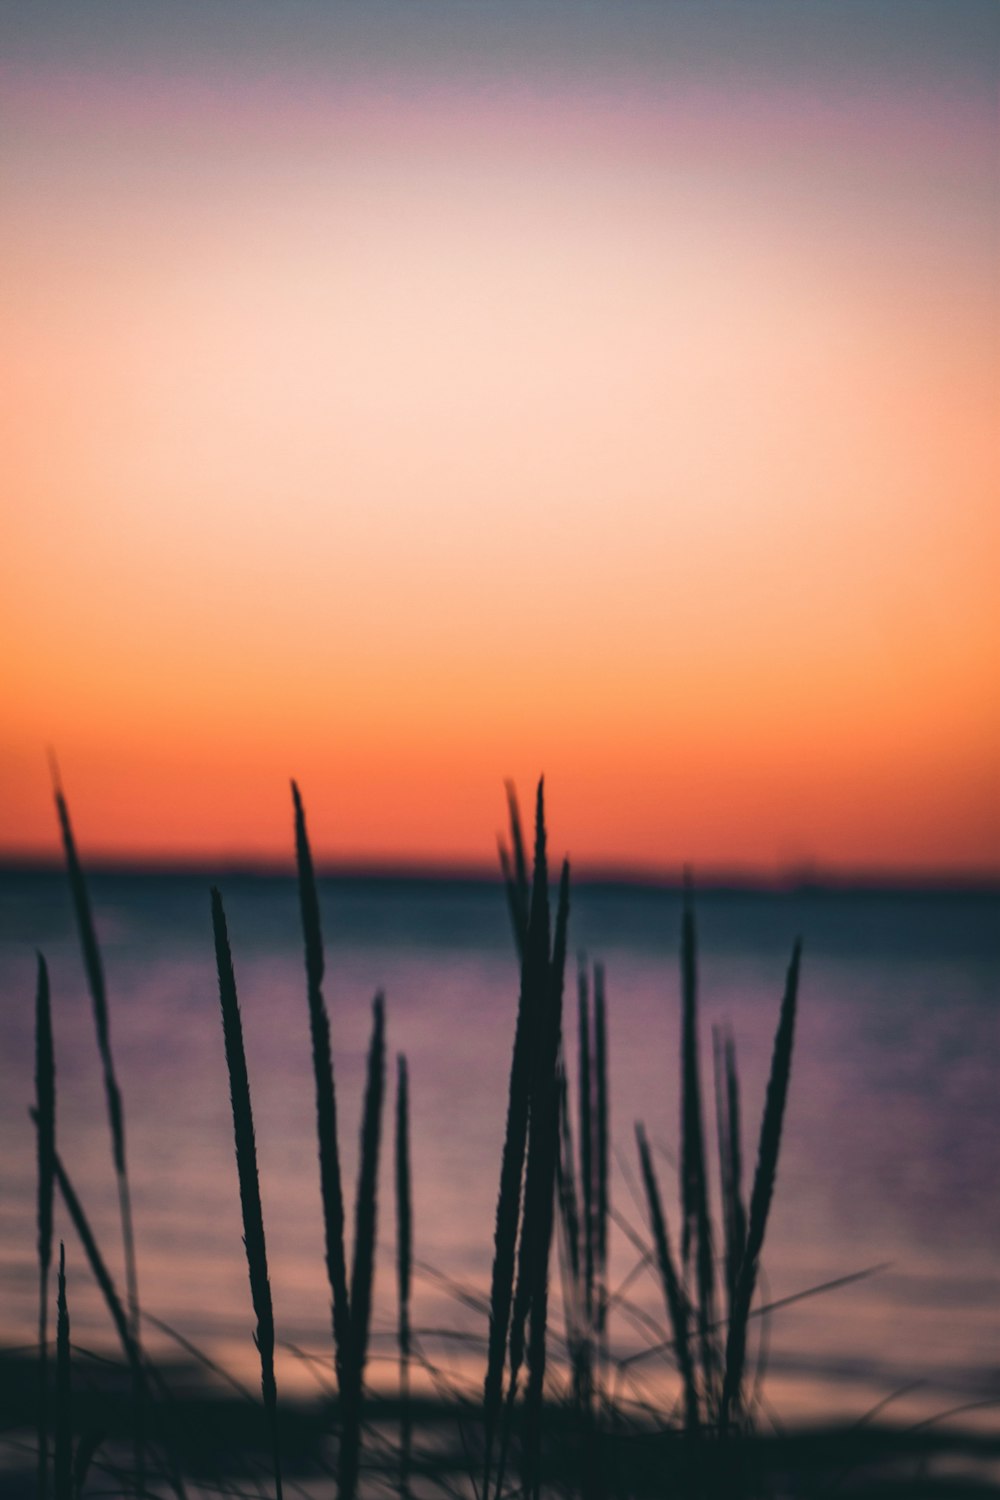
point(803, 876)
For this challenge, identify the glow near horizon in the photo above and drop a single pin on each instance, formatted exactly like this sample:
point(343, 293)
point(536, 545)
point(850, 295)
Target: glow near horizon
point(647, 438)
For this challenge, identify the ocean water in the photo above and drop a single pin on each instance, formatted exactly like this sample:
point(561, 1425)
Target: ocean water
point(889, 1159)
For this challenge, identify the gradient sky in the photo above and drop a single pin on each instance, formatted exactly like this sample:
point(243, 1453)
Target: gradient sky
point(403, 397)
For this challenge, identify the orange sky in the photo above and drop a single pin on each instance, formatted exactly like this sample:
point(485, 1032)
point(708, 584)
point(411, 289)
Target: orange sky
point(401, 436)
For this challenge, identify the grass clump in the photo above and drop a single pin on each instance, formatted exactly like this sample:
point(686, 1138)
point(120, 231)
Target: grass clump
point(246, 1167)
point(546, 1190)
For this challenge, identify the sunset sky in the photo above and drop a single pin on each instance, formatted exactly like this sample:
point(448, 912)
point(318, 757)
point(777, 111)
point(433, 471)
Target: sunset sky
point(406, 397)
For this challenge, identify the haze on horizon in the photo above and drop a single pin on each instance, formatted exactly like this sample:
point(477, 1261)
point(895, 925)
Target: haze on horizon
point(406, 398)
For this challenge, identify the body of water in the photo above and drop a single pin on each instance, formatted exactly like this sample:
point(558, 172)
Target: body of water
point(891, 1140)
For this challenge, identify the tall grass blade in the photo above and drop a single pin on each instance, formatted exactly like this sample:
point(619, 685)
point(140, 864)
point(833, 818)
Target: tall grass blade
point(585, 1110)
point(45, 1108)
point(730, 1169)
point(515, 872)
point(537, 969)
point(64, 1392)
point(763, 1190)
point(543, 1147)
point(534, 965)
point(404, 1263)
point(363, 1270)
point(694, 1167)
point(95, 981)
point(566, 1188)
point(94, 970)
point(672, 1291)
point(246, 1169)
point(97, 1264)
point(521, 878)
point(136, 1361)
point(602, 1144)
point(735, 1147)
point(331, 1188)
point(517, 920)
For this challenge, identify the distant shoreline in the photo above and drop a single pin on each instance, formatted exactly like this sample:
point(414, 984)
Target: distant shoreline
point(402, 873)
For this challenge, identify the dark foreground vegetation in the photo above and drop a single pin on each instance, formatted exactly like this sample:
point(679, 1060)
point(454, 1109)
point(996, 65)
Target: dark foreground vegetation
point(550, 1411)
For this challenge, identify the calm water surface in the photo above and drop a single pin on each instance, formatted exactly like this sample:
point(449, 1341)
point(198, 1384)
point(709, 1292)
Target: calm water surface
point(891, 1137)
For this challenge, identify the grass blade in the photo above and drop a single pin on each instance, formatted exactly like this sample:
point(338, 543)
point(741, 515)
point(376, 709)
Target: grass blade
point(95, 981)
point(735, 1149)
point(538, 990)
point(404, 1263)
point(587, 1132)
point(64, 1392)
point(138, 1366)
point(522, 882)
point(763, 1189)
point(730, 1169)
point(363, 1270)
point(672, 1290)
point(45, 1107)
point(535, 958)
point(694, 1167)
point(602, 1144)
point(94, 970)
point(566, 1186)
point(97, 1264)
point(331, 1188)
point(246, 1169)
point(517, 922)
point(543, 1148)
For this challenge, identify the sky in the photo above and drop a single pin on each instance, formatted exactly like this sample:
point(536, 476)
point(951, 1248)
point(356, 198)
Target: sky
point(403, 398)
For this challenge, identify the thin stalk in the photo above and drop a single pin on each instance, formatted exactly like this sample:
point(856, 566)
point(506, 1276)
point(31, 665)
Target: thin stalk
point(331, 1189)
point(246, 1169)
point(694, 1167)
point(763, 1190)
point(672, 1291)
point(140, 1369)
point(98, 993)
point(587, 1132)
point(404, 1262)
point(735, 1148)
point(728, 1129)
point(533, 964)
point(522, 880)
point(94, 970)
point(602, 1145)
point(64, 1392)
point(363, 1270)
point(45, 1107)
point(566, 1189)
point(539, 1189)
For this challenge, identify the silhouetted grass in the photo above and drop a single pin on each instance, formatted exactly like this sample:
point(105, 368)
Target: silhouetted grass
point(543, 1139)
point(246, 1167)
point(331, 1189)
point(602, 1130)
point(63, 1467)
point(534, 964)
point(519, 884)
point(585, 1116)
point(404, 1264)
point(538, 1170)
point(697, 1228)
point(673, 1293)
point(45, 1114)
point(763, 1189)
point(727, 1103)
point(94, 970)
point(363, 1269)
